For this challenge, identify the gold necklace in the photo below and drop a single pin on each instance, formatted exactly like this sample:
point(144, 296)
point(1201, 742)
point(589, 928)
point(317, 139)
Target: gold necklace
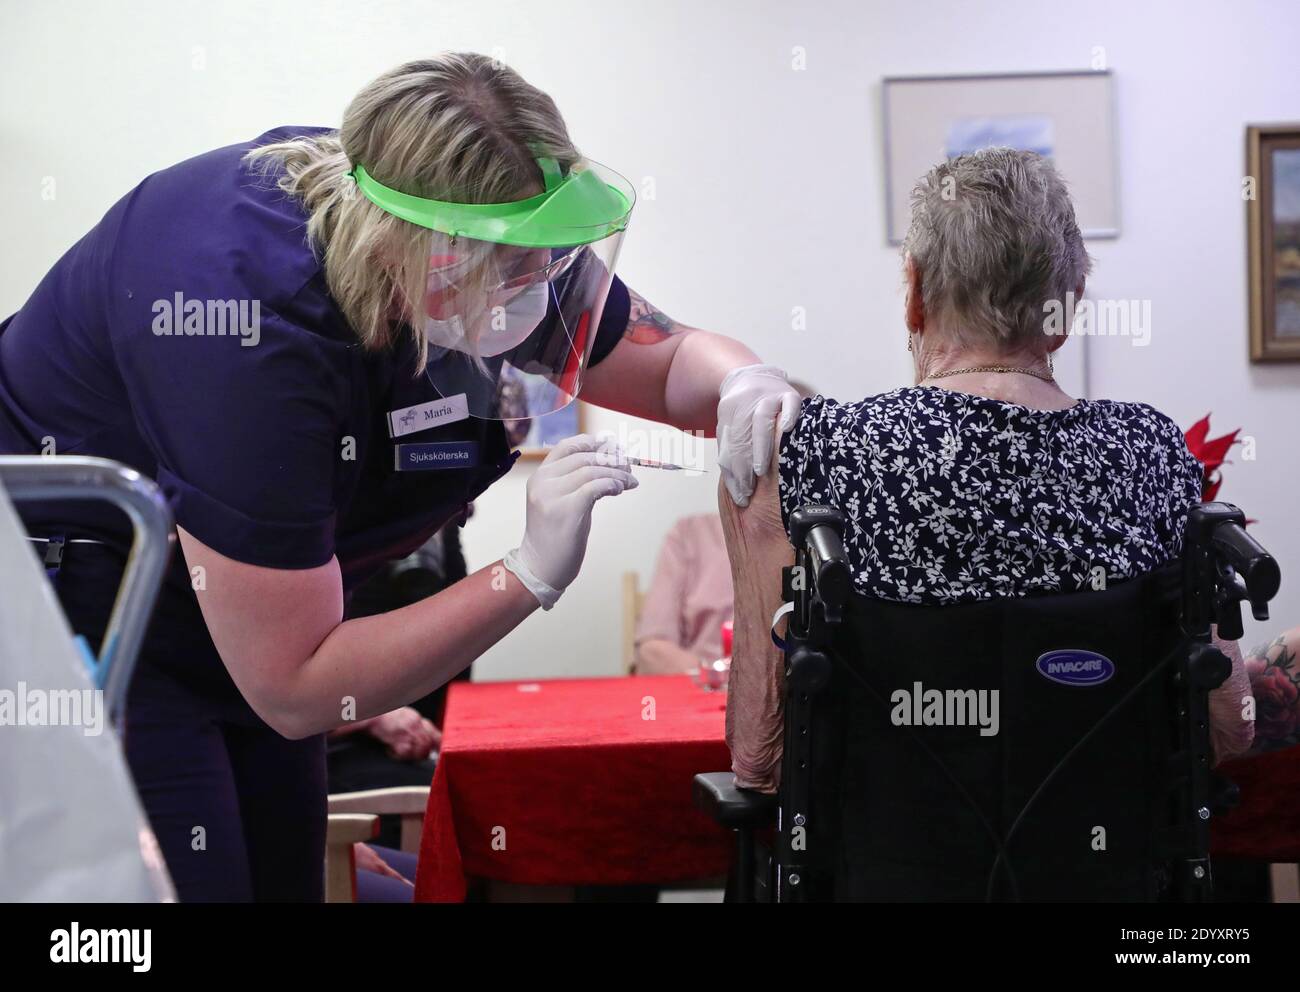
point(1045, 376)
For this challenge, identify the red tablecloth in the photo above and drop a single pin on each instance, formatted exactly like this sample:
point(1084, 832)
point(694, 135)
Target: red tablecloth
point(1266, 826)
point(571, 782)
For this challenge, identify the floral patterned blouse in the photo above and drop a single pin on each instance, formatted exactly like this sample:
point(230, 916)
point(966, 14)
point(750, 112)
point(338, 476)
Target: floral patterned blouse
point(952, 497)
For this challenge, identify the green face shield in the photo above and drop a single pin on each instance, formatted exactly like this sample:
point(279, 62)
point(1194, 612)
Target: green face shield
point(516, 290)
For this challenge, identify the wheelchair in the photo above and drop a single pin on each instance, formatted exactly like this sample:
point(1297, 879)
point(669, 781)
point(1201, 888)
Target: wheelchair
point(1091, 781)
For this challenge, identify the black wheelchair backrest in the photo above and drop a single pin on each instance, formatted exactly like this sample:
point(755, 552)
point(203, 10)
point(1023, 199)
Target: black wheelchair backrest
point(1050, 747)
point(1004, 749)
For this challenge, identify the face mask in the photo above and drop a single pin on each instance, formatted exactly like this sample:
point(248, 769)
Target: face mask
point(503, 327)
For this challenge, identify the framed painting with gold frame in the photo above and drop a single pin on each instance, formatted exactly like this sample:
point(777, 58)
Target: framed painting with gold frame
point(537, 436)
point(1273, 240)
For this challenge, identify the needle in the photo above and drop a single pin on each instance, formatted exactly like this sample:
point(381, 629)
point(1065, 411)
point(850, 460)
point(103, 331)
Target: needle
point(665, 466)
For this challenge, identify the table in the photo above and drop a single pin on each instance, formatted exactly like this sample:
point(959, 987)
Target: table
point(573, 782)
point(1266, 826)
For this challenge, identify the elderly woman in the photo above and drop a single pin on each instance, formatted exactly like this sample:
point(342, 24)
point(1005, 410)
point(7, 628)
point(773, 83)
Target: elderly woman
point(983, 479)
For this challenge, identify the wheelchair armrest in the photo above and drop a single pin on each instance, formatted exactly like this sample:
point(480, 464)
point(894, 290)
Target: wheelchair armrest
point(716, 793)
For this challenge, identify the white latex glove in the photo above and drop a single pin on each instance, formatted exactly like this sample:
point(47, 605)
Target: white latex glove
point(577, 472)
point(755, 407)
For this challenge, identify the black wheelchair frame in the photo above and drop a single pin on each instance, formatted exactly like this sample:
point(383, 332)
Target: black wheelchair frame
point(1222, 567)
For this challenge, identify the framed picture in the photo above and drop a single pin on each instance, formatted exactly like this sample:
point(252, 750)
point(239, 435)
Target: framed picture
point(1067, 116)
point(1273, 239)
point(535, 437)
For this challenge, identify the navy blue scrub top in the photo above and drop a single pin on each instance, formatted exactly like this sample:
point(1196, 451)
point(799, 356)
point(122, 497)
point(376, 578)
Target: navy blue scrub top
point(248, 443)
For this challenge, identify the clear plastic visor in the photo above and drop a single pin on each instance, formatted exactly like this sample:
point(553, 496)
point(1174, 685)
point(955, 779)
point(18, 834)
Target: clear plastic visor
point(512, 328)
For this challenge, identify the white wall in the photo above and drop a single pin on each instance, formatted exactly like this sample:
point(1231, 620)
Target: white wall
point(768, 187)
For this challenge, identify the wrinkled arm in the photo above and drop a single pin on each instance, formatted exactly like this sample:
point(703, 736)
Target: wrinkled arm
point(1231, 733)
point(758, 549)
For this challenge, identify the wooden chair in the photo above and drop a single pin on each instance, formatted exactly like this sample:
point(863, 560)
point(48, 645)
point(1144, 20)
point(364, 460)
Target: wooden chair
point(633, 601)
point(354, 818)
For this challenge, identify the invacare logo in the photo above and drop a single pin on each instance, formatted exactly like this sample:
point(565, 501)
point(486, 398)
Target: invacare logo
point(77, 946)
point(1074, 666)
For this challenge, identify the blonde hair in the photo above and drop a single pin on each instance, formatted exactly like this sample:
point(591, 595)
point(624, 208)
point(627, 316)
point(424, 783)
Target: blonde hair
point(460, 127)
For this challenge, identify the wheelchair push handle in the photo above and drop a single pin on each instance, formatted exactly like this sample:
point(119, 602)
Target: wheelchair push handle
point(818, 531)
point(1257, 568)
point(1223, 565)
point(1220, 529)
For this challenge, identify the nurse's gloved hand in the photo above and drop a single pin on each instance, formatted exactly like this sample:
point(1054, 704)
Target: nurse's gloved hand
point(577, 472)
point(756, 405)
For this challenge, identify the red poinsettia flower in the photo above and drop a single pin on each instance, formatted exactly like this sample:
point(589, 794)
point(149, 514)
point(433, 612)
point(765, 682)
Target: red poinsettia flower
point(1211, 453)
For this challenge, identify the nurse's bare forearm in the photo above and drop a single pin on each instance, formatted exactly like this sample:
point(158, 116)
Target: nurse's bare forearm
point(664, 370)
point(701, 362)
point(386, 661)
point(304, 670)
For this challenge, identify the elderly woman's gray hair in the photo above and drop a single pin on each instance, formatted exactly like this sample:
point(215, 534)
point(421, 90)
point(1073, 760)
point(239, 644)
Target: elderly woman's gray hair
point(994, 241)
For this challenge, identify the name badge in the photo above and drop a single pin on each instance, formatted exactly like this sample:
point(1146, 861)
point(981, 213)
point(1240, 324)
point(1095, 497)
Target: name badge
point(422, 416)
point(435, 455)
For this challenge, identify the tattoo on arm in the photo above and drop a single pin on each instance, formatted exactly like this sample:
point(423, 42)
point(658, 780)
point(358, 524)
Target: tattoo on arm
point(1275, 682)
point(646, 324)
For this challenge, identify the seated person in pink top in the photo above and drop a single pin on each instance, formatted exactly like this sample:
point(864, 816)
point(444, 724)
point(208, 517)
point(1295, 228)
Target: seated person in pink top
point(689, 600)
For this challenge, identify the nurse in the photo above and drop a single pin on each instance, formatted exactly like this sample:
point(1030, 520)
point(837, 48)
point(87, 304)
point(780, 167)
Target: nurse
point(312, 342)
